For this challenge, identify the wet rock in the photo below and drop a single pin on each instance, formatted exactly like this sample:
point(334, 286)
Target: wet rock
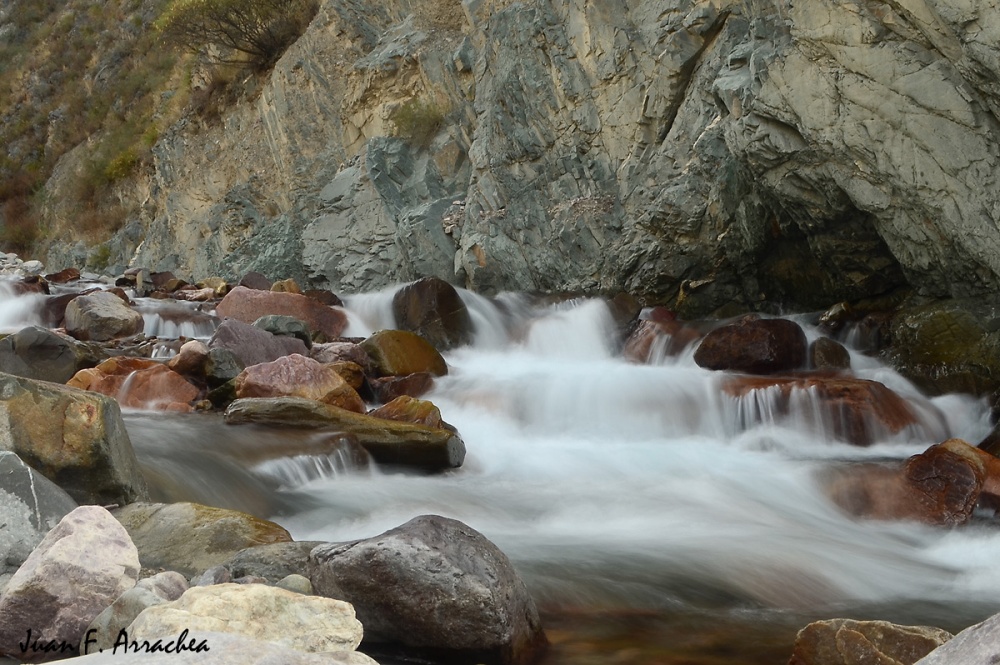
point(387, 441)
point(652, 340)
point(350, 372)
point(399, 352)
point(58, 592)
point(854, 410)
point(754, 346)
point(100, 317)
point(298, 376)
point(292, 620)
point(255, 280)
point(37, 353)
point(389, 388)
point(74, 438)
point(30, 505)
point(324, 297)
point(825, 353)
point(273, 562)
point(333, 352)
point(253, 346)
point(190, 359)
point(30, 284)
point(286, 286)
point(222, 366)
point(139, 383)
point(849, 642)
point(434, 583)
point(63, 276)
point(156, 590)
point(976, 645)
point(248, 305)
point(286, 326)
point(432, 308)
point(409, 410)
point(191, 538)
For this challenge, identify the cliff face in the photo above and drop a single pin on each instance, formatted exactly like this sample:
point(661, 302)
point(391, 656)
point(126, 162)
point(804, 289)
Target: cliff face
point(693, 152)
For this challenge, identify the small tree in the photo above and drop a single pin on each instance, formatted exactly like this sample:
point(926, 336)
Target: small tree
point(258, 31)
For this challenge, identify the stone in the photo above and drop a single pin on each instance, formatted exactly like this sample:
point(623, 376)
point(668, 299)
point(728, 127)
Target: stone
point(849, 642)
point(409, 410)
point(332, 352)
point(434, 583)
point(286, 286)
point(324, 297)
point(432, 308)
point(190, 360)
point(214, 575)
point(63, 276)
point(976, 645)
point(255, 280)
point(293, 620)
point(79, 568)
point(195, 295)
point(857, 411)
point(755, 346)
point(30, 505)
point(248, 305)
point(74, 438)
point(651, 341)
point(100, 317)
point(286, 326)
point(217, 284)
point(352, 373)
point(37, 353)
point(272, 562)
point(389, 388)
point(221, 366)
point(298, 376)
point(139, 383)
point(387, 441)
point(825, 353)
point(253, 346)
point(163, 280)
point(191, 538)
point(156, 590)
point(399, 352)
point(296, 583)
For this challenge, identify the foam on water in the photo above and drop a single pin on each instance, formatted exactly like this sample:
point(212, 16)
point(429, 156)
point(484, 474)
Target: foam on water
point(19, 311)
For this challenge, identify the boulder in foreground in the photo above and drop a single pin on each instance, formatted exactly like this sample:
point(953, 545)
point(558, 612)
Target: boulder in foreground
point(849, 642)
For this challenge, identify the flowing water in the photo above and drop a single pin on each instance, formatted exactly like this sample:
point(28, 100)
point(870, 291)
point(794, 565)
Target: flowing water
point(654, 518)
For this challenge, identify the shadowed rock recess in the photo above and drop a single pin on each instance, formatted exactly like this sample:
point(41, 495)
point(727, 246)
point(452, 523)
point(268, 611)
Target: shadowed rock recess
point(694, 153)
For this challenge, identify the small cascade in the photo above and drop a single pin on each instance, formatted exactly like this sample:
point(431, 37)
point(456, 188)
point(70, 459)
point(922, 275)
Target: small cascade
point(370, 312)
point(19, 311)
point(294, 471)
point(172, 319)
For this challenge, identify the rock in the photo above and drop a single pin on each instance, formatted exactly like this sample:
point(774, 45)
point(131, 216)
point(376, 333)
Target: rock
point(53, 311)
point(298, 376)
point(190, 360)
point(162, 281)
point(214, 575)
point(63, 276)
point(272, 562)
point(248, 305)
point(254, 280)
point(292, 620)
point(651, 341)
point(333, 352)
point(432, 308)
point(30, 505)
point(191, 538)
point(286, 326)
point(409, 410)
point(857, 411)
point(217, 284)
point(434, 583)
point(222, 365)
point(57, 592)
point(976, 645)
point(37, 353)
point(157, 590)
point(352, 373)
point(286, 286)
point(101, 316)
point(139, 383)
point(849, 642)
point(74, 438)
point(195, 295)
point(754, 346)
point(398, 353)
point(413, 385)
point(324, 297)
point(387, 441)
point(296, 583)
point(825, 353)
point(253, 346)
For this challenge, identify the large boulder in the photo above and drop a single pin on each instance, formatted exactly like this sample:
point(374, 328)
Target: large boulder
point(434, 583)
point(156, 590)
point(432, 308)
point(37, 353)
point(755, 346)
point(298, 376)
point(406, 409)
point(76, 439)
point(399, 352)
point(139, 383)
point(253, 346)
point(976, 645)
point(849, 642)
point(78, 569)
point(191, 538)
point(248, 305)
point(387, 441)
point(30, 505)
point(101, 316)
point(292, 620)
point(272, 562)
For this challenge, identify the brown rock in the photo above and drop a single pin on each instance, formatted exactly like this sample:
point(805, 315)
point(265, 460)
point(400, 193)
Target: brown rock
point(333, 352)
point(255, 280)
point(248, 305)
point(30, 284)
point(652, 340)
point(414, 385)
point(138, 383)
point(217, 284)
point(63, 276)
point(432, 308)
point(324, 297)
point(755, 346)
point(399, 352)
point(190, 360)
point(286, 286)
point(856, 410)
point(848, 642)
point(107, 377)
point(298, 376)
point(350, 372)
point(825, 353)
point(100, 317)
point(409, 410)
point(195, 295)
point(161, 280)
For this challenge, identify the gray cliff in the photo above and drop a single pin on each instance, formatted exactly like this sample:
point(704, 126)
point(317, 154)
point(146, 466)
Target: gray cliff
point(695, 153)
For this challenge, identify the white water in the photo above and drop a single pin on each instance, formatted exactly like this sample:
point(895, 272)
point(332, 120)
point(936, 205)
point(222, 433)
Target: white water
point(17, 312)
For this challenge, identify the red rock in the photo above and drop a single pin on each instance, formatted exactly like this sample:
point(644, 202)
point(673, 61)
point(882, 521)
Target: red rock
point(248, 305)
point(858, 411)
point(138, 383)
point(432, 308)
point(409, 410)
point(255, 280)
point(849, 642)
point(298, 376)
point(755, 346)
point(390, 387)
point(30, 284)
point(63, 276)
point(324, 297)
point(651, 340)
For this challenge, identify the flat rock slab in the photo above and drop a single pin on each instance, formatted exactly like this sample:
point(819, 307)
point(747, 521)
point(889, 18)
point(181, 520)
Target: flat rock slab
point(849, 642)
point(387, 441)
point(248, 305)
point(253, 346)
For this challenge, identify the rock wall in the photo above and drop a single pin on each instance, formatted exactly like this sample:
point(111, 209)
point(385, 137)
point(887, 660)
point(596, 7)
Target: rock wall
point(697, 153)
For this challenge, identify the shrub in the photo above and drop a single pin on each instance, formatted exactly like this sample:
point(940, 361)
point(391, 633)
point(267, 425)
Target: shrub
point(418, 121)
point(258, 31)
point(20, 226)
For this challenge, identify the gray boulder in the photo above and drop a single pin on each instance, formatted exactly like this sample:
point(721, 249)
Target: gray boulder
point(38, 353)
point(161, 588)
point(976, 645)
point(101, 316)
point(253, 346)
point(285, 326)
point(273, 562)
point(434, 583)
